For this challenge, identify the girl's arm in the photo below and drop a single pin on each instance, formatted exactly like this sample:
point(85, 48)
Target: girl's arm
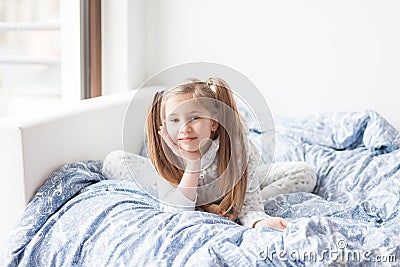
point(184, 196)
point(172, 199)
point(190, 180)
point(253, 208)
point(253, 213)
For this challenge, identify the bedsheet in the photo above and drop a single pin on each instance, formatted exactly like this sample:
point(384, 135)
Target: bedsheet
point(80, 219)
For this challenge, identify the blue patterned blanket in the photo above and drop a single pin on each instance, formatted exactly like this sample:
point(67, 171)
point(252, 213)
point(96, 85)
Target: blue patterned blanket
point(79, 219)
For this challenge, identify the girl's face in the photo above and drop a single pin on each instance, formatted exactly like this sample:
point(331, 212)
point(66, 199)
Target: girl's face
point(188, 122)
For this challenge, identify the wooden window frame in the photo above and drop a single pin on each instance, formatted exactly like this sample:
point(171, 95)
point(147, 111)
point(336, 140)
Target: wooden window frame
point(91, 48)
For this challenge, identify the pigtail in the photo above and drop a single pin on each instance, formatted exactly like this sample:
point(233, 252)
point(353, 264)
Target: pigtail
point(232, 149)
point(153, 122)
point(159, 157)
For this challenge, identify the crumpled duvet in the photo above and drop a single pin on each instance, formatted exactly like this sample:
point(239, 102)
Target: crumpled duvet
point(80, 219)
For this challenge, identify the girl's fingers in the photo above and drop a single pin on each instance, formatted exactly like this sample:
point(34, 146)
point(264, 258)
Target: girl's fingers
point(163, 134)
point(230, 217)
point(170, 143)
point(168, 140)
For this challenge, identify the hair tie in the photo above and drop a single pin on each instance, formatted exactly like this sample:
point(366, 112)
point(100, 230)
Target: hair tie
point(209, 82)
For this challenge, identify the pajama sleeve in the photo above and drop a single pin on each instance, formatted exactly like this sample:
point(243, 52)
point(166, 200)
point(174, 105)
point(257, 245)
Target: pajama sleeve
point(172, 199)
point(253, 208)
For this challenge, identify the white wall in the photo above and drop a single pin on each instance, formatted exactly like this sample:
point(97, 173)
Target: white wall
point(305, 56)
point(124, 45)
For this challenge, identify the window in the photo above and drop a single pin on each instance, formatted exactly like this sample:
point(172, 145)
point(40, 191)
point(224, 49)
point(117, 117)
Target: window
point(30, 54)
point(49, 52)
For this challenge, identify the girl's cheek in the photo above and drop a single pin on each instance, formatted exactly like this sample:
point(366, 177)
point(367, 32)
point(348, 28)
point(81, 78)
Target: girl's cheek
point(197, 125)
point(171, 129)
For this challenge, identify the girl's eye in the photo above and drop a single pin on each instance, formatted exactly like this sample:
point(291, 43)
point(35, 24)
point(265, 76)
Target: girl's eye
point(173, 120)
point(194, 118)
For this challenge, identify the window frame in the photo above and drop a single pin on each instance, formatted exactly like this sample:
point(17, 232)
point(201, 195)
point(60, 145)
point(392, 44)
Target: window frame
point(91, 65)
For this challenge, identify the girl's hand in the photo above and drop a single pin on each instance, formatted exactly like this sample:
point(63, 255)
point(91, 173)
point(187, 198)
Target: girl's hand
point(186, 155)
point(213, 208)
point(274, 222)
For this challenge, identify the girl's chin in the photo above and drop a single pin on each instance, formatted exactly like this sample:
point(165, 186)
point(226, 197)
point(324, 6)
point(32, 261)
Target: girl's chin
point(187, 148)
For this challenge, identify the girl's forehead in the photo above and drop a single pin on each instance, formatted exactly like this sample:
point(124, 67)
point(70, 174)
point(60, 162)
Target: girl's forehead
point(180, 103)
point(176, 99)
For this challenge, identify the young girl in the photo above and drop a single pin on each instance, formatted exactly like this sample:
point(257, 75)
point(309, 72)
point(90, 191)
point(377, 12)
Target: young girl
point(197, 142)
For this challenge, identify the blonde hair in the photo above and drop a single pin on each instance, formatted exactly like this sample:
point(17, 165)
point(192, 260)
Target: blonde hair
point(231, 154)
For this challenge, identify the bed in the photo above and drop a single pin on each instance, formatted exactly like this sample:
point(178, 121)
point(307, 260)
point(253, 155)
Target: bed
point(76, 217)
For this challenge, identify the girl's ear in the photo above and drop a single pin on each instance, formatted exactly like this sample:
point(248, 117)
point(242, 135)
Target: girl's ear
point(214, 125)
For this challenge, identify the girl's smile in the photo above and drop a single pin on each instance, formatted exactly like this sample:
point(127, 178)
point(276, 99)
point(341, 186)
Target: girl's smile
point(187, 139)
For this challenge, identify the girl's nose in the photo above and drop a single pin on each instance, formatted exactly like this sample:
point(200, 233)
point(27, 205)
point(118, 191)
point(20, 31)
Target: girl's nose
point(186, 128)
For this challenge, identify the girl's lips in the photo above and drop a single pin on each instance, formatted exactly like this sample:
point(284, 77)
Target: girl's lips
point(187, 139)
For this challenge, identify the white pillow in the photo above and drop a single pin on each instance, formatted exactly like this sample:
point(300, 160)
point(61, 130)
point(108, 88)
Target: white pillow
point(122, 165)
